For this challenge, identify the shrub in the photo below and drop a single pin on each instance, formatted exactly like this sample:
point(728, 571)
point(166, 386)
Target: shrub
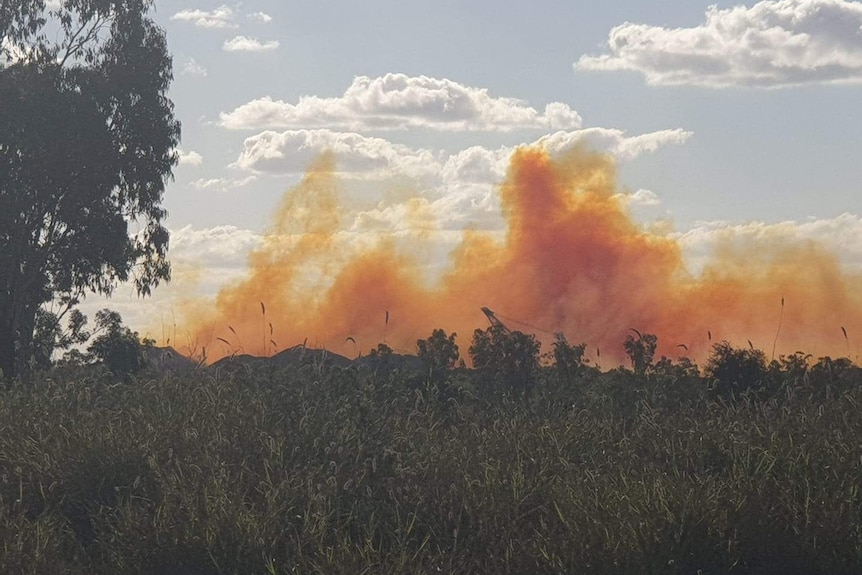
point(510, 358)
point(439, 352)
point(568, 359)
point(734, 371)
point(641, 351)
point(116, 346)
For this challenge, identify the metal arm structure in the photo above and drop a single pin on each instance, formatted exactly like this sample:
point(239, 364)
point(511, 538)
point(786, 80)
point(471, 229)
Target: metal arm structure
point(495, 321)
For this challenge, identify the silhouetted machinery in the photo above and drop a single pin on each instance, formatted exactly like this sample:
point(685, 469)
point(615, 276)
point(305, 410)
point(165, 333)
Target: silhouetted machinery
point(495, 321)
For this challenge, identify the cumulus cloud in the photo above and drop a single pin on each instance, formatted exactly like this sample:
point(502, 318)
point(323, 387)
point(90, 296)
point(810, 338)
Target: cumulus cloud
point(244, 44)
point(774, 43)
point(190, 158)
point(477, 165)
point(613, 141)
point(190, 67)
point(216, 247)
point(221, 17)
point(260, 17)
point(223, 184)
point(291, 151)
point(642, 197)
point(842, 235)
point(461, 187)
point(396, 102)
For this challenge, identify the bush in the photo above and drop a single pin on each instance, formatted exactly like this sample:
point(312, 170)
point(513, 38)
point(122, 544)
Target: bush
point(116, 346)
point(569, 359)
point(641, 351)
point(735, 371)
point(508, 358)
point(439, 352)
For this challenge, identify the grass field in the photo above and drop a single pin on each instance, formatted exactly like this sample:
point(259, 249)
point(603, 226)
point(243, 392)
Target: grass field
point(316, 469)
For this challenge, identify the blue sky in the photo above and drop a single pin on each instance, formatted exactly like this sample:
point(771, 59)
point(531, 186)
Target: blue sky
point(741, 117)
point(771, 152)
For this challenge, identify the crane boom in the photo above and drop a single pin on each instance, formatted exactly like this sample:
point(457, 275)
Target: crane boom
point(494, 320)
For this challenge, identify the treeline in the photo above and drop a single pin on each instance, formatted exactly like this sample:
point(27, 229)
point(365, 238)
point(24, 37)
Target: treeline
point(522, 464)
point(510, 361)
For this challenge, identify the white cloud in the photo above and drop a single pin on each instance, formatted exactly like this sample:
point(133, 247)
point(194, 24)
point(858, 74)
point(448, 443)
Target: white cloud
point(642, 197)
point(190, 67)
point(260, 17)
point(841, 235)
point(461, 187)
point(613, 141)
point(476, 206)
point(244, 44)
point(190, 158)
point(398, 218)
point(223, 184)
point(397, 101)
point(359, 156)
point(217, 247)
point(771, 44)
point(221, 17)
point(290, 152)
point(477, 165)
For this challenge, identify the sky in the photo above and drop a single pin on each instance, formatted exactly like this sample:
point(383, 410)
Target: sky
point(721, 118)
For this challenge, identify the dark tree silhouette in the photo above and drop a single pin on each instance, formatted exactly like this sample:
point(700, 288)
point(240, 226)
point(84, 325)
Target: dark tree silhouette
point(509, 357)
point(569, 359)
point(641, 351)
point(87, 142)
point(115, 345)
point(439, 352)
point(735, 370)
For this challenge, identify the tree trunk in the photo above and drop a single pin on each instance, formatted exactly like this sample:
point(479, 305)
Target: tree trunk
point(7, 351)
point(24, 352)
point(16, 336)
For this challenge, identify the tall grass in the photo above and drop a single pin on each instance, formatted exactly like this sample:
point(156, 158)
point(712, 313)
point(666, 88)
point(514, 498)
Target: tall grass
point(315, 470)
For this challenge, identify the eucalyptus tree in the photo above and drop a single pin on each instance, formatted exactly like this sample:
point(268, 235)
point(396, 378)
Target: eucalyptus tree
point(88, 141)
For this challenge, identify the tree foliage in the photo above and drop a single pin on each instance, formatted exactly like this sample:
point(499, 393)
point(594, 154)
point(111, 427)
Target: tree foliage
point(735, 370)
point(569, 359)
point(641, 351)
point(50, 335)
point(439, 351)
point(87, 142)
point(510, 358)
point(116, 346)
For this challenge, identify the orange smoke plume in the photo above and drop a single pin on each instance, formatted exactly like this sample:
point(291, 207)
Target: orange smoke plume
point(572, 260)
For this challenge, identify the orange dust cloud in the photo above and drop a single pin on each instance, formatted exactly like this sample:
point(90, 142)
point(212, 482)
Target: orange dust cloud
point(572, 260)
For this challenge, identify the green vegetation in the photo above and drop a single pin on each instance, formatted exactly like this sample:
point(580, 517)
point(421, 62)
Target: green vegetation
point(116, 346)
point(312, 467)
point(88, 139)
